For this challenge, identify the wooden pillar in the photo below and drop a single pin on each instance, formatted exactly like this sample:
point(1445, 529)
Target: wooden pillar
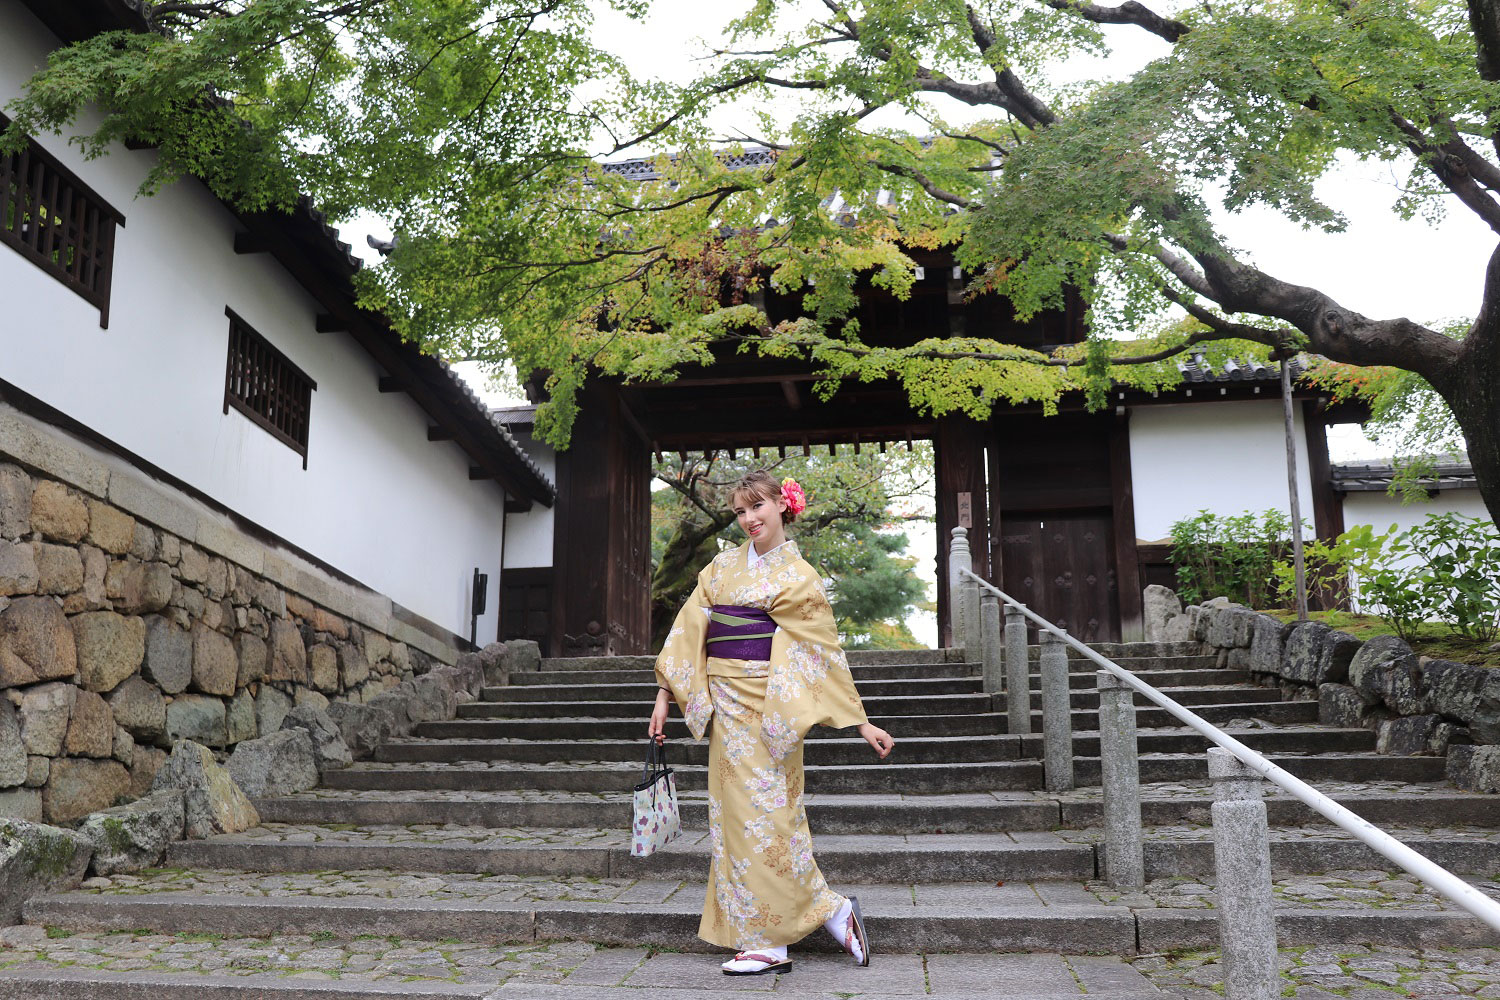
point(959, 454)
point(601, 551)
point(1122, 502)
point(1328, 506)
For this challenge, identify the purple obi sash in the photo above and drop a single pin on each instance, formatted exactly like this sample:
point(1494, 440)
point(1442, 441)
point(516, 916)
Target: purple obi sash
point(737, 633)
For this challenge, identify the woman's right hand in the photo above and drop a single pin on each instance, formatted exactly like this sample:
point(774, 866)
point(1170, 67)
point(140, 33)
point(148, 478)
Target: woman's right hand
point(658, 728)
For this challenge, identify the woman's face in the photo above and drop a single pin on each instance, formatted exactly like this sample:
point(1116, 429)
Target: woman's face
point(760, 518)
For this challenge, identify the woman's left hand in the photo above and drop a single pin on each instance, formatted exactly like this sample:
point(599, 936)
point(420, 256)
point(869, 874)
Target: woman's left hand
point(878, 738)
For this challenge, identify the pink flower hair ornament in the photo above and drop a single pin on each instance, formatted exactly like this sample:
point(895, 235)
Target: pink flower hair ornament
point(791, 492)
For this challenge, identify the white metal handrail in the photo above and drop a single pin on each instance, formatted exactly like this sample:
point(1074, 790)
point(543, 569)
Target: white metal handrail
point(1433, 874)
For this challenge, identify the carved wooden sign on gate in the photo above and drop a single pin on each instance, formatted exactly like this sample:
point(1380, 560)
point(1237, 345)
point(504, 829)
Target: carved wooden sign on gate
point(966, 510)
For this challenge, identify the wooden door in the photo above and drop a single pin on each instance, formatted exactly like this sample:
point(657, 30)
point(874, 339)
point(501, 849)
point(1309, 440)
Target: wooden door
point(1061, 565)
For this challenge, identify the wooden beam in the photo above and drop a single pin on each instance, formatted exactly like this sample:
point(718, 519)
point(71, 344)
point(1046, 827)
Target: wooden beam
point(436, 433)
point(250, 243)
point(478, 474)
point(329, 323)
point(389, 383)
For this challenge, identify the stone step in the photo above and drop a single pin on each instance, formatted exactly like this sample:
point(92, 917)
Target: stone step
point(1158, 673)
point(96, 984)
point(475, 739)
point(870, 672)
point(1194, 691)
point(857, 657)
point(644, 690)
point(938, 704)
point(1064, 917)
point(848, 858)
point(1279, 712)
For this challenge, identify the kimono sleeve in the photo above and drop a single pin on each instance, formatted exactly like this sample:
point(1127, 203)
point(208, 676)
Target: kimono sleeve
point(682, 665)
point(810, 683)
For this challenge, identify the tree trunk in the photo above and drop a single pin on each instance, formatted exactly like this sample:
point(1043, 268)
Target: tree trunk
point(1473, 392)
point(691, 547)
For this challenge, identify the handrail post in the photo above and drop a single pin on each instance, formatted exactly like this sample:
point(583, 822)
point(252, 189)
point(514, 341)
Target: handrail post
point(1017, 674)
point(989, 623)
point(959, 560)
point(1242, 860)
point(1057, 719)
point(1124, 849)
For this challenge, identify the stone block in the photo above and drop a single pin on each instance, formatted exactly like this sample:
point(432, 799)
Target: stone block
point(110, 648)
point(91, 727)
point(1340, 705)
point(46, 710)
point(95, 572)
point(14, 765)
point(1230, 627)
point(1474, 768)
point(217, 580)
point(170, 549)
point(212, 802)
point(1408, 736)
point(38, 770)
point(110, 528)
point(1303, 655)
point(288, 654)
point(36, 642)
point(143, 767)
point(168, 660)
point(144, 545)
point(192, 566)
point(1469, 694)
point(521, 656)
point(239, 718)
point(137, 587)
point(59, 569)
point(353, 667)
point(37, 859)
point(431, 698)
point(1333, 661)
point(1158, 605)
point(123, 748)
point(271, 709)
point(1267, 644)
point(378, 647)
point(18, 569)
point(308, 696)
point(139, 707)
point(281, 763)
point(21, 803)
point(77, 787)
point(131, 837)
point(197, 717)
point(216, 665)
point(15, 502)
point(364, 727)
point(58, 513)
point(328, 742)
point(323, 667)
point(250, 650)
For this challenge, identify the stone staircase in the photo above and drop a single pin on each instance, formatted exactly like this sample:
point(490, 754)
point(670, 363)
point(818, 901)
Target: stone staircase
point(507, 824)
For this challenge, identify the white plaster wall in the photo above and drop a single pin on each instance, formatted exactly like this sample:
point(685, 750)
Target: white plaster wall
point(1222, 457)
point(377, 501)
point(528, 539)
point(1381, 511)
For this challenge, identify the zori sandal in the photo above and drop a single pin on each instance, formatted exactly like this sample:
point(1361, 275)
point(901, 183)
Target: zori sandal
point(856, 932)
point(748, 963)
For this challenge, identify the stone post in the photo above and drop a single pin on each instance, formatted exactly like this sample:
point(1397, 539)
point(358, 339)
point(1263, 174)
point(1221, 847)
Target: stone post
point(1057, 719)
point(1124, 850)
point(989, 623)
point(958, 559)
point(1242, 859)
point(1017, 674)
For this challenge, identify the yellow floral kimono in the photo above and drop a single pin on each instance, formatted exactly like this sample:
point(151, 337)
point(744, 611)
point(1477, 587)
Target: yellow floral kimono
point(764, 888)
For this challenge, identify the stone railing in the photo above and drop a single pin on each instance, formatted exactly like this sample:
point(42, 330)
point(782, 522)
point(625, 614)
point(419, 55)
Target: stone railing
point(1242, 856)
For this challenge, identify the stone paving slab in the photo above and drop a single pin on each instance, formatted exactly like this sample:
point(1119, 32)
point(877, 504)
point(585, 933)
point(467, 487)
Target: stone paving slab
point(1344, 970)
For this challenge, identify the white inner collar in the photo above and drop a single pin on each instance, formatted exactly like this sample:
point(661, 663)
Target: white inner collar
point(756, 557)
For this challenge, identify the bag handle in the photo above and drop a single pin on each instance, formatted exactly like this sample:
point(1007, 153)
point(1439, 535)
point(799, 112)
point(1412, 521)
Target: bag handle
point(656, 760)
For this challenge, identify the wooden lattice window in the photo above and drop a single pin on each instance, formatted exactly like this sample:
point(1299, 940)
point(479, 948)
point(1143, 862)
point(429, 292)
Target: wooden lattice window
point(264, 385)
point(58, 223)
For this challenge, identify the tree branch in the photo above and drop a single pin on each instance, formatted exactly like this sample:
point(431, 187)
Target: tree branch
point(922, 180)
point(1449, 165)
point(1129, 12)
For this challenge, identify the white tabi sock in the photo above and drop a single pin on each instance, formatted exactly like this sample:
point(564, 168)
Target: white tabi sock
point(838, 926)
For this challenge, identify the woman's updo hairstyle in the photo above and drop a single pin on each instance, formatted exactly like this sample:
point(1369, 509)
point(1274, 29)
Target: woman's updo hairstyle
point(761, 486)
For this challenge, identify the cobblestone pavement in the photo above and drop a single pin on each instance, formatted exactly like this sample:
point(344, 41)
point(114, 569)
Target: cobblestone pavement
point(1348, 890)
point(1352, 971)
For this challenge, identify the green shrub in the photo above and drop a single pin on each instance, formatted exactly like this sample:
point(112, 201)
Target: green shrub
point(1231, 556)
point(1446, 569)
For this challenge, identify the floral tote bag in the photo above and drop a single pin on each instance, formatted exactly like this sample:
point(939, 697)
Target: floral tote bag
point(656, 822)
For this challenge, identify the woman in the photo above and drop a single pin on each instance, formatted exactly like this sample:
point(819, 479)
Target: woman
point(756, 646)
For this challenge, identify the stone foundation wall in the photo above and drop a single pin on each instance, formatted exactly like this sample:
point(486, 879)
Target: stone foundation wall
point(132, 615)
point(1415, 704)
